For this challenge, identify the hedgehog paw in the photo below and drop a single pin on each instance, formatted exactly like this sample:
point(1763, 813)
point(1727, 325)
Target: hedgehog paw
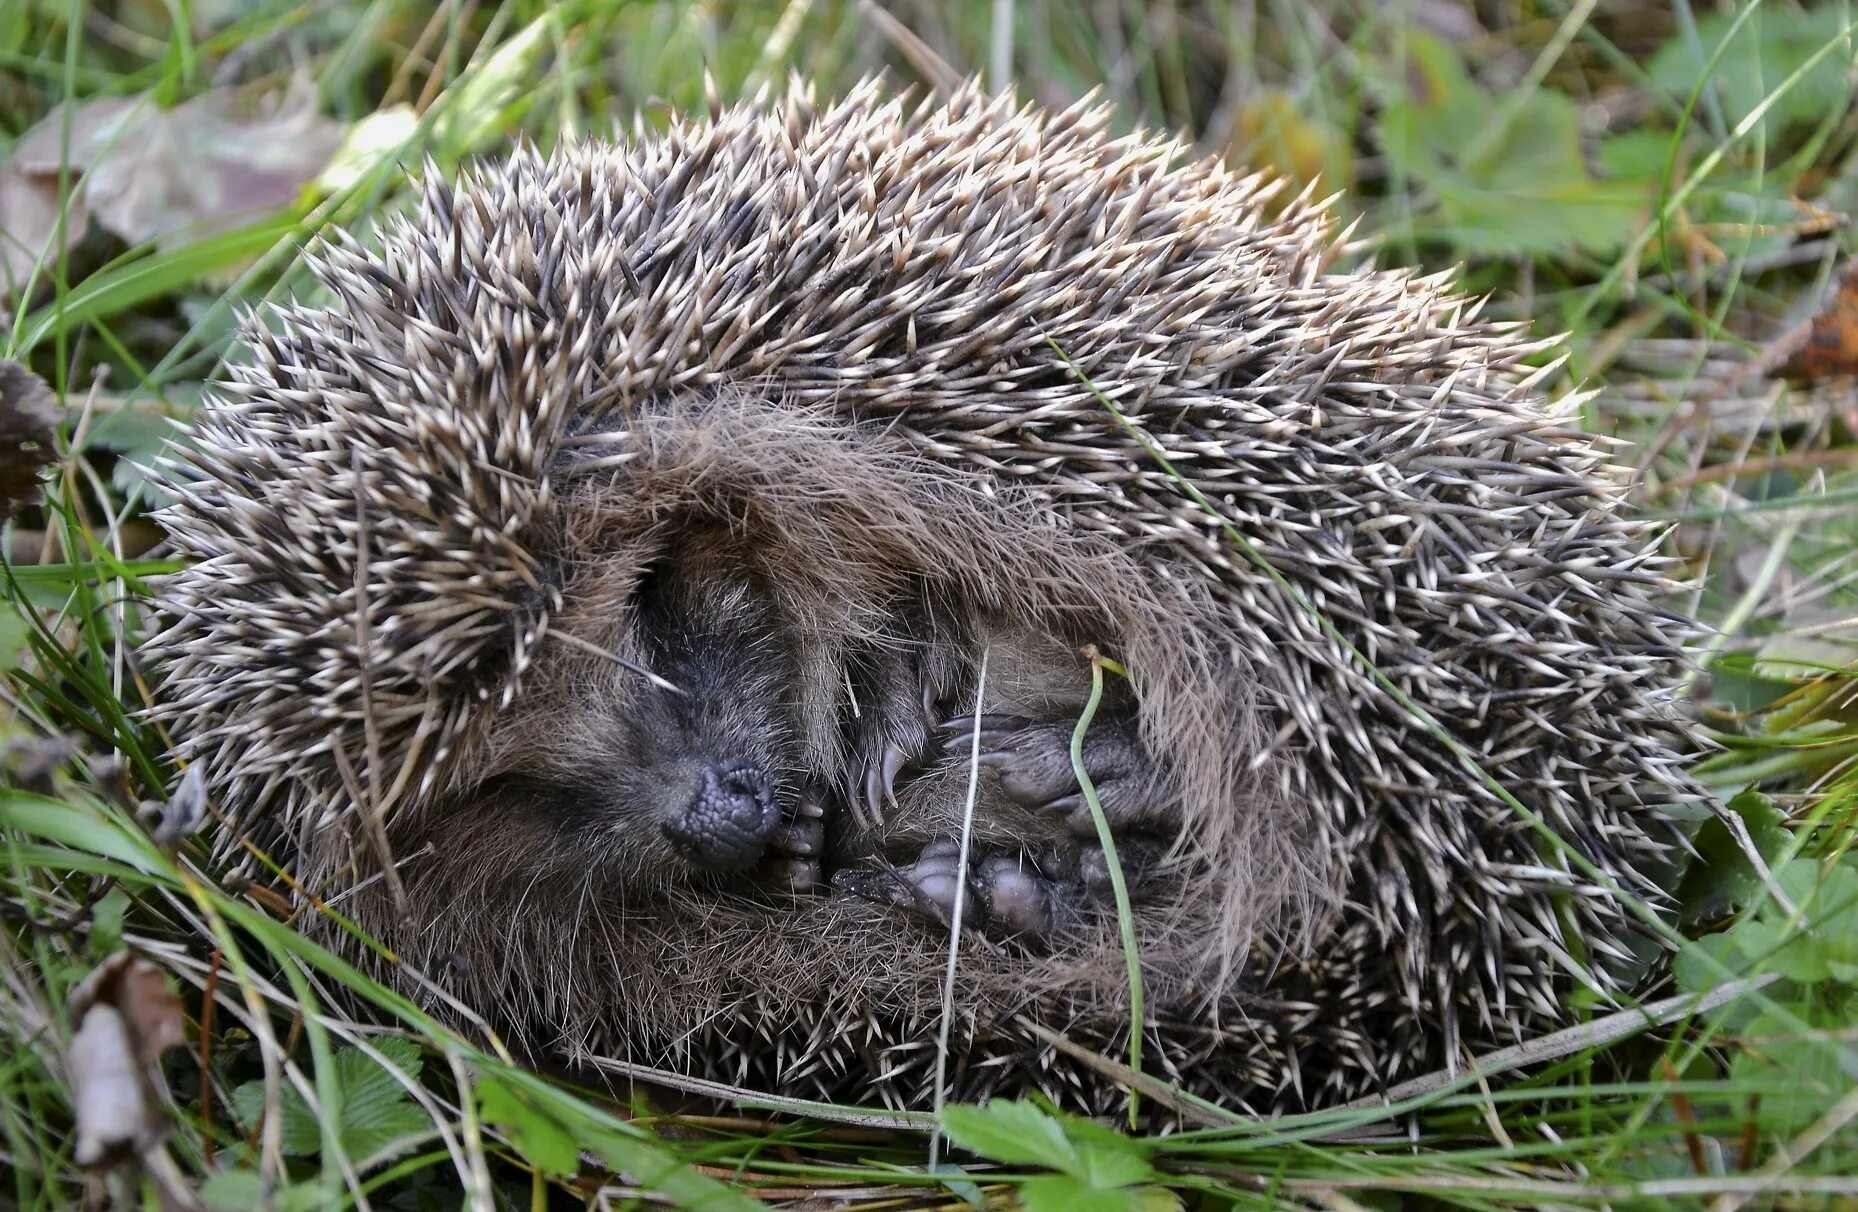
point(1008, 896)
point(900, 734)
point(1033, 761)
point(796, 849)
point(1136, 856)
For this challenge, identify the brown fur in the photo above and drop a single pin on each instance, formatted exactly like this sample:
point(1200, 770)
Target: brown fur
point(868, 558)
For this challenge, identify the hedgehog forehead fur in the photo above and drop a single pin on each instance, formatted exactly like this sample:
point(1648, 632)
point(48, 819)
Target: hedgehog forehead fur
point(869, 347)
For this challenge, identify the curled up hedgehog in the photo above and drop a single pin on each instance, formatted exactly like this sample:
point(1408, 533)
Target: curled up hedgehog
point(613, 586)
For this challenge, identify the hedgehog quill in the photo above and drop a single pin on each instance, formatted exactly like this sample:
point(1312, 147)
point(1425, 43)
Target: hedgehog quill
point(611, 553)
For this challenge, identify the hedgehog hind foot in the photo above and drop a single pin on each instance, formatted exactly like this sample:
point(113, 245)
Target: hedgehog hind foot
point(1011, 895)
point(1008, 896)
point(1032, 760)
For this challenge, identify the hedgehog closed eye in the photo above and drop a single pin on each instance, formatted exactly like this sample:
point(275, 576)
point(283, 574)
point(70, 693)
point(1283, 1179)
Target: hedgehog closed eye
point(816, 494)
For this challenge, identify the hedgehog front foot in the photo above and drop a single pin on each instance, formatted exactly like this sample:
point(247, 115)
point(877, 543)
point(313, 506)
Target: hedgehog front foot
point(797, 848)
point(898, 733)
point(1033, 761)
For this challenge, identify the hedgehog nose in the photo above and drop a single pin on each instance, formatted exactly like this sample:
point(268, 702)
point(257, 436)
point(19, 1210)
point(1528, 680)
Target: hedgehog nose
point(729, 819)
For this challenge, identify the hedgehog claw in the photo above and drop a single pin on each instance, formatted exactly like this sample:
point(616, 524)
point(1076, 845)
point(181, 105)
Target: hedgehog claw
point(880, 779)
point(995, 723)
point(957, 734)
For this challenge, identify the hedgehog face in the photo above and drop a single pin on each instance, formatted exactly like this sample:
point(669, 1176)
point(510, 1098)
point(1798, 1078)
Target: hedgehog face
point(699, 764)
point(665, 780)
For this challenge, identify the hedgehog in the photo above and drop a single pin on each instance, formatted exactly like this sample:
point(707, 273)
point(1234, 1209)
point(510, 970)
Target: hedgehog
point(654, 587)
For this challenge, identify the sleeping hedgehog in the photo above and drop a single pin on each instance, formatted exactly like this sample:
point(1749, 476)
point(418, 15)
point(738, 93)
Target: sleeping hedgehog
point(655, 587)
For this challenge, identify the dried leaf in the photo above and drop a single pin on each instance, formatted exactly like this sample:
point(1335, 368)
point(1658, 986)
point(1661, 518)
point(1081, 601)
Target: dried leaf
point(28, 413)
point(382, 135)
point(139, 991)
point(1831, 348)
point(29, 235)
point(127, 1017)
point(30, 181)
point(204, 162)
point(182, 814)
point(145, 173)
point(114, 1119)
point(1449, 19)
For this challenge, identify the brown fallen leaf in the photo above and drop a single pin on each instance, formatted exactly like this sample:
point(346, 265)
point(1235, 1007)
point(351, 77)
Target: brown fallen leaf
point(209, 163)
point(34, 176)
point(28, 413)
point(114, 1119)
point(1830, 350)
point(29, 233)
point(144, 173)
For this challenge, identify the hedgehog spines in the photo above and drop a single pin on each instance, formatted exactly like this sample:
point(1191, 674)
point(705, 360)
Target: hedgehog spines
point(394, 511)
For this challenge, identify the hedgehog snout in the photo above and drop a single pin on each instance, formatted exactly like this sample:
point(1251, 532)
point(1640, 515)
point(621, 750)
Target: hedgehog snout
point(728, 820)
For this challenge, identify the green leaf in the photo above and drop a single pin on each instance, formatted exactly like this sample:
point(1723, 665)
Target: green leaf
point(1694, 971)
point(1099, 1167)
point(300, 1135)
point(1757, 58)
point(243, 1190)
point(1506, 180)
point(542, 1141)
point(1803, 1077)
point(1017, 1133)
point(15, 631)
point(657, 1171)
point(1432, 109)
point(1640, 153)
point(139, 437)
point(1832, 891)
point(1107, 1158)
point(1722, 879)
point(1735, 681)
point(106, 923)
point(1104, 1168)
point(130, 431)
point(1821, 943)
point(1064, 1193)
point(1795, 954)
point(376, 1110)
point(957, 1179)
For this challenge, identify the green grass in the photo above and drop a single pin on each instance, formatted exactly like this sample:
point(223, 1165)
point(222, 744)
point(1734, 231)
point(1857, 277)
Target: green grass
point(1669, 186)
